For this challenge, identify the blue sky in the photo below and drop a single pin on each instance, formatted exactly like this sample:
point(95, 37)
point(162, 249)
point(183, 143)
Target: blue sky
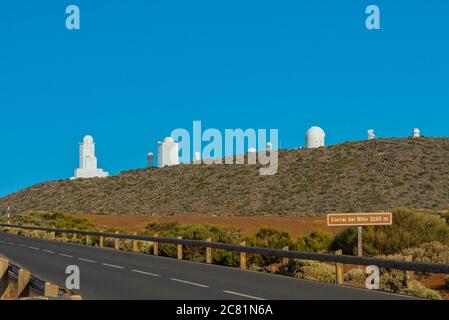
point(138, 69)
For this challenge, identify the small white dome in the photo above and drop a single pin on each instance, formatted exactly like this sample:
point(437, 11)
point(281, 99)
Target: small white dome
point(252, 150)
point(416, 133)
point(315, 137)
point(88, 139)
point(150, 154)
point(169, 139)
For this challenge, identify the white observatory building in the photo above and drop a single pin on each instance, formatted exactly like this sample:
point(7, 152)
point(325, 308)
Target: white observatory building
point(88, 161)
point(371, 134)
point(416, 133)
point(168, 153)
point(315, 137)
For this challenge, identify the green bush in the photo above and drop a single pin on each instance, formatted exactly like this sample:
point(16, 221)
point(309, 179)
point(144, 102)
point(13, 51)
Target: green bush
point(268, 237)
point(410, 229)
point(417, 289)
point(317, 241)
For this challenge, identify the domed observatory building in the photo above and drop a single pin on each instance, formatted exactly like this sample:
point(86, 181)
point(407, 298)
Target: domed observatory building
point(315, 137)
point(88, 161)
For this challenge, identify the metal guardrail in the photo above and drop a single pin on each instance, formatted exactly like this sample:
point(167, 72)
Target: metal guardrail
point(322, 257)
point(35, 283)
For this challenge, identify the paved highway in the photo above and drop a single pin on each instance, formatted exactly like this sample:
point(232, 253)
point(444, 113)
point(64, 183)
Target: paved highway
point(111, 274)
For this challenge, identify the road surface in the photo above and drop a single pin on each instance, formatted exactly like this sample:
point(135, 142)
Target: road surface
point(110, 274)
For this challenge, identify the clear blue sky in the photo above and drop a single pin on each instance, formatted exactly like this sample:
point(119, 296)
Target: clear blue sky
point(138, 69)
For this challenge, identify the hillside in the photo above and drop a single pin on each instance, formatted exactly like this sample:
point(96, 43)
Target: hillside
point(354, 176)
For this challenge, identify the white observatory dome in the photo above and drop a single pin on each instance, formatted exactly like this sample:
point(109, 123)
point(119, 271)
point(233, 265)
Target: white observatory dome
point(315, 137)
point(416, 133)
point(88, 139)
point(169, 139)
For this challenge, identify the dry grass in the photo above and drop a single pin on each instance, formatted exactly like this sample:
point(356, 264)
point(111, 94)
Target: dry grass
point(295, 226)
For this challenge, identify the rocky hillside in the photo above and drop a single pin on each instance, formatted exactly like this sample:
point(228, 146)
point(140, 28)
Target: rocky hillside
point(354, 176)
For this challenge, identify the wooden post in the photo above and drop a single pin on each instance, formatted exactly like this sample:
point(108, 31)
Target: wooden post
point(23, 283)
point(117, 242)
point(135, 244)
point(209, 253)
point(179, 250)
point(339, 276)
point(4, 275)
point(285, 260)
point(408, 274)
point(64, 237)
point(74, 238)
point(101, 241)
point(88, 242)
point(360, 241)
point(51, 290)
point(243, 257)
point(156, 246)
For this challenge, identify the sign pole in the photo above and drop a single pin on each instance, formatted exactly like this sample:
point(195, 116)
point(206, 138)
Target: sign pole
point(359, 241)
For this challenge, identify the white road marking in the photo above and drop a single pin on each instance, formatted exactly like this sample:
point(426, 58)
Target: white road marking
point(147, 273)
point(188, 282)
point(243, 295)
point(12, 243)
point(34, 248)
point(21, 245)
point(49, 251)
point(65, 255)
point(82, 259)
point(112, 265)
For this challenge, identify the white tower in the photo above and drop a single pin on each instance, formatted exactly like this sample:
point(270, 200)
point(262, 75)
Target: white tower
point(371, 134)
point(197, 157)
point(88, 161)
point(150, 157)
point(168, 153)
point(315, 137)
point(416, 133)
point(269, 146)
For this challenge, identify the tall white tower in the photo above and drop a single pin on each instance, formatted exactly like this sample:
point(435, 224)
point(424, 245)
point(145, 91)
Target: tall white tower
point(315, 137)
point(168, 153)
point(416, 133)
point(88, 161)
point(371, 134)
point(150, 157)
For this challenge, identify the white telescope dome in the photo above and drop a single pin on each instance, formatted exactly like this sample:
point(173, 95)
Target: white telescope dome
point(416, 133)
point(315, 137)
point(169, 139)
point(88, 139)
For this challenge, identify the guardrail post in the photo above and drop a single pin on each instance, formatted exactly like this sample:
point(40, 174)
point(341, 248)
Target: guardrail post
point(243, 257)
point(156, 246)
point(88, 242)
point(23, 283)
point(101, 241)
point(4, 275)
point(209, 253)
point(74, 238)
point(179, 250)
point(408, 274)
point(339, 276)
point(135, 244)
point(285, 260)
point(52, 235)
point(51, 290)
point(117, 242)
point(64, 237)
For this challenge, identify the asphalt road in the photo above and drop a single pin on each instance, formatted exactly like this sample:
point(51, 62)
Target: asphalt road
point(111, 274)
